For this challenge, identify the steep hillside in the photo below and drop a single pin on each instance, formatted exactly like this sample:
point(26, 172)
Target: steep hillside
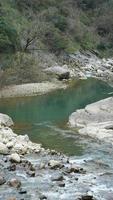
point(53, 27)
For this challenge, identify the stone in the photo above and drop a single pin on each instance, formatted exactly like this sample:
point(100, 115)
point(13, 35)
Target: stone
point(64, 76)
point(14, 183)
point(42, 166)
point(12, 198)
point(61, 184)
point(6, 120)
point(14, 157)
point(22, 191)
point(12, 167)
point(58, 70)
point(42, 197)
point(2, 180)
point(20, 148)
point(58, 178)
point(87, 197)
point(10, 145)
point(3, 149)
point(31, 173)
point(54, 164)
point(74, 169)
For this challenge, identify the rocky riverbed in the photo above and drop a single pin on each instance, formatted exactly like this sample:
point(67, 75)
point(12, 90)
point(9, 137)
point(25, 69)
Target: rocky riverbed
point(29, 172)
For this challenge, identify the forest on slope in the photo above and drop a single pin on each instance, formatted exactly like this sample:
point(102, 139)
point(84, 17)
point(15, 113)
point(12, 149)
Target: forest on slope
point(54, 27)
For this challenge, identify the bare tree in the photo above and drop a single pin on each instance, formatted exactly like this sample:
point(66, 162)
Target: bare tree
point(33, 33)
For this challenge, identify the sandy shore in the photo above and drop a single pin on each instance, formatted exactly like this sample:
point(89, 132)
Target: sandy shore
point(31, 89)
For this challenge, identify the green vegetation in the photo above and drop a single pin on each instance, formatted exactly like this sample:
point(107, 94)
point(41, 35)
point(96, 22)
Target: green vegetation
point(8, 37)
point(55, 27)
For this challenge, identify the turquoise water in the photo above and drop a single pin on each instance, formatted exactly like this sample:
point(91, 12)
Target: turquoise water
point(44, 118)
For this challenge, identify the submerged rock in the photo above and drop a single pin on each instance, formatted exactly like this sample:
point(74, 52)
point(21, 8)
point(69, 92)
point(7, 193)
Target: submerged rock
point(2, 180)
point(87, 197)
point(61, 184)
point(58, 177)
point(42, 197)
point(14, 183)
point(74, 169)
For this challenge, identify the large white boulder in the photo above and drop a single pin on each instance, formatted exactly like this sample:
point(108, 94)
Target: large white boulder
point(14, 157)
point(101, 111)
point(95, 120)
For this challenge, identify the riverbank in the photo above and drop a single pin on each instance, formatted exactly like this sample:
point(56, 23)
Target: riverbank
point(36, 173)
point(80, 65)
point(31, 89)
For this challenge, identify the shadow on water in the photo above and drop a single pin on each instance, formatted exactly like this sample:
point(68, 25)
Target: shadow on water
point(44, 117)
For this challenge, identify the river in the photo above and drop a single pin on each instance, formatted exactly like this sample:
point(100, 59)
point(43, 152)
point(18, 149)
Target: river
point(44, 118)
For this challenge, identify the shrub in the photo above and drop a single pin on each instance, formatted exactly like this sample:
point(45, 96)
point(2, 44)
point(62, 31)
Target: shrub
point(8, 37)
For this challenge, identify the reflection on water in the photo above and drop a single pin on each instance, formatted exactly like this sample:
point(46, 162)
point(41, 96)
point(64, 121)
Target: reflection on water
point(44, 117)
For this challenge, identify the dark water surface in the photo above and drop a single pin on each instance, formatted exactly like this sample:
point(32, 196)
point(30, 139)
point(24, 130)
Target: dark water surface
point(44, 117)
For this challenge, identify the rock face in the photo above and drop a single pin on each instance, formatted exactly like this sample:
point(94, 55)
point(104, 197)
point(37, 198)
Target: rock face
point(95, 120)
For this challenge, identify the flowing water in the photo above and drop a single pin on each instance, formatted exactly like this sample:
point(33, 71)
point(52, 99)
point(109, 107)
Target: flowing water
point(44, 118)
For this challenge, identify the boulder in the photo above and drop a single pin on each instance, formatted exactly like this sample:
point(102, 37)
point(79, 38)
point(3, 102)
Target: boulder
point(15, 158)
point(74, 169)
point(2, 180)
point(20, 148)
point(5, 120)
point(3, 149)
point(101, 111)
point(57, 177)
point(10, 144)
point(95, 120)
point(14, 183)
point(87, 197)
point(61, 184)
point(62, 72)
point(54, 164)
